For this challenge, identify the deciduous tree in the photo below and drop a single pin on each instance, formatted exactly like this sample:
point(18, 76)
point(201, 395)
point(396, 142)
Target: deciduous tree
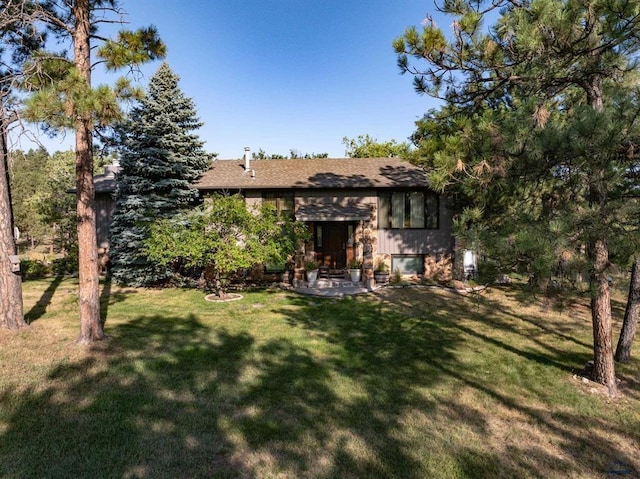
point(367, 147)
point(222, 237)
point(28, 181)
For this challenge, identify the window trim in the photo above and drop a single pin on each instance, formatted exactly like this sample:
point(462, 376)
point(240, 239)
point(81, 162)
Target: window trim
point(280, 199)
point(395, 258)
point(391, 200)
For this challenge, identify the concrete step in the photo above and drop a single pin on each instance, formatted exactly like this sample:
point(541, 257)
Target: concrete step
point(333, 283)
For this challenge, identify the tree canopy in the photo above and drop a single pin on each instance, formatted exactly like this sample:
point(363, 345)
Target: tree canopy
point(161, 155)
point(223, 236)
point(367, 147)
point(44, 210)
point(293, 154)
point(538, 133)
point(62, 97)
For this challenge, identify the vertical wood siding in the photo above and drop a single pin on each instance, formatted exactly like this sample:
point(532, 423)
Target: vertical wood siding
point(104, 211)
point(418, 241)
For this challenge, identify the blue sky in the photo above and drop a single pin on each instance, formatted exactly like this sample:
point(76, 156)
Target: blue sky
point(287, 74)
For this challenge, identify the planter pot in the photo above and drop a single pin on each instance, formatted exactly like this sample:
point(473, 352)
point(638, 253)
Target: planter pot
point(312, 275)
point(356, 275)
point(381, 277)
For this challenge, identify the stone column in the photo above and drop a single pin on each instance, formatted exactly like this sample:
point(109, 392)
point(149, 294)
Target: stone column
point(298, 269)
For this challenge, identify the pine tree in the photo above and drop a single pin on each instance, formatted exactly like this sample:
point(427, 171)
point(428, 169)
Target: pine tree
point(632, 311)
point(18, 40)
point(160, 157)
point(545, 97)
point(64, 98)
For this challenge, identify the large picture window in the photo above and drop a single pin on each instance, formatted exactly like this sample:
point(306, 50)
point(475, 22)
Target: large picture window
point(282, 201)
point(408, 209)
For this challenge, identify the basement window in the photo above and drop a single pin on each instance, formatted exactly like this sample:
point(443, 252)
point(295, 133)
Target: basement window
point(407, 264)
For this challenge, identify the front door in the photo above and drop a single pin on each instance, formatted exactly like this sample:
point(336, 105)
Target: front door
point(331, 244)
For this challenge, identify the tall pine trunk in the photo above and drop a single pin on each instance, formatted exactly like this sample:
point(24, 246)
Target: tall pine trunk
point(630, 322)
point(603, 366)
point(88, 275)
point(11, 309)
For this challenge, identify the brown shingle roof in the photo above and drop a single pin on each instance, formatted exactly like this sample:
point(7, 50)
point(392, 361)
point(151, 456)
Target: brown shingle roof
point(313, 173)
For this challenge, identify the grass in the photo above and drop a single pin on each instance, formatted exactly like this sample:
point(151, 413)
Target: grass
point(406, 383)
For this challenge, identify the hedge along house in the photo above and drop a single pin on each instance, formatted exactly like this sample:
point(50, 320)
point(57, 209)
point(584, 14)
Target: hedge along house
point(376, 210)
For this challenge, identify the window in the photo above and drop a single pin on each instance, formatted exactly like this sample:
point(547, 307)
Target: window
point(408, 209)
point(407, 264)
point(282, 202)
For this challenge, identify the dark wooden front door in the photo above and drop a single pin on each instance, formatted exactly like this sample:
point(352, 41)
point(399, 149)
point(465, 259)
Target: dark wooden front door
point(333, 248)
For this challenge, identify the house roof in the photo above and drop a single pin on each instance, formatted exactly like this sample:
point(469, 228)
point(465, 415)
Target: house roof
point(312, 173)
point(104, 183)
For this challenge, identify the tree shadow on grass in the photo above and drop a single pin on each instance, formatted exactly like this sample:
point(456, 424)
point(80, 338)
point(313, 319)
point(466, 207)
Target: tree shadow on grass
point(40, 308)
point(346, 388)
point(565, 331)
point(171, 397)
point(409, 347)
point(135, 407)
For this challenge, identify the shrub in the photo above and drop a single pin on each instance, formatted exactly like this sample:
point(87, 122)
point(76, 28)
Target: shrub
point(66, 265)
point(34, 269)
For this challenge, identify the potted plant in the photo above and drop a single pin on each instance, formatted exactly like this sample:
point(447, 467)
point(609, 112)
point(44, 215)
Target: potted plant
point(381, 274)
point(355, 270)
point(312, 270)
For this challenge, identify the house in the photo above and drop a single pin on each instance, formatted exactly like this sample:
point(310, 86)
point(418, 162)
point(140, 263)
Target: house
point(377, 208)
point(104, 186)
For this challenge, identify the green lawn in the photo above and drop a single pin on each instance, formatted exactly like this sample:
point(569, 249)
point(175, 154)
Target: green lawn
point(405, 383)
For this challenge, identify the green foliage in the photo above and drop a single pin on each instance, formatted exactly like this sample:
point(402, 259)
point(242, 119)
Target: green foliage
point(293, 154)
point(367, 147)
point(59, 92)
point(397, 277)
point(221, 237)
point(160, 157)
point(382, 267)
point(132, 48)
point(43, 209)
point(536, 137)
point(34, 269)
point(58, 207)
point(311, 265)
point(539, 132)
point(60, 103)
point(355, 263)
point(70, 101)
point(67, 265)
point(27, 184)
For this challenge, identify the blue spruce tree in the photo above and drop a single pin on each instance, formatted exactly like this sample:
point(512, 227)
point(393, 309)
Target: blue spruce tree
point(160, 157)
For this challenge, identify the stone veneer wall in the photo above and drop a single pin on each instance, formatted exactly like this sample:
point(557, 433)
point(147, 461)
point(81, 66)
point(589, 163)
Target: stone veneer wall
point(438, 265)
